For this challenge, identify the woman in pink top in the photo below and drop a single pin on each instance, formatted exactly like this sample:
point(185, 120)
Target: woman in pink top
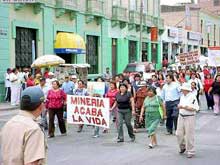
point(111, 94)
point(56, 99)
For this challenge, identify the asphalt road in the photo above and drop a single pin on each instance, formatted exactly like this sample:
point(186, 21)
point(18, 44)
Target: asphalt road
point(82, 149)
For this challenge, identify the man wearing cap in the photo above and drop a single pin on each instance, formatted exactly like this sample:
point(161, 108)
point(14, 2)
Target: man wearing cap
point(22, 140)
point(186, 121)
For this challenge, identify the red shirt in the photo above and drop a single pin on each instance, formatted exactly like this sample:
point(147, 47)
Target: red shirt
point(207, 84)
point(30, 82)
point(111, 94)
point(206, 72)
point(46, 74)
point(55, 99)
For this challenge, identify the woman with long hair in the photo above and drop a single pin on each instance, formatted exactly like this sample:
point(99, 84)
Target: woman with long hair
point(215, 90)
point(208, 81)
point(125, 104)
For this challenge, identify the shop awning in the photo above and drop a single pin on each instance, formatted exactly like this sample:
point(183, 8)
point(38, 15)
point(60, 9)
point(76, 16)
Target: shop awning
point(69, 43)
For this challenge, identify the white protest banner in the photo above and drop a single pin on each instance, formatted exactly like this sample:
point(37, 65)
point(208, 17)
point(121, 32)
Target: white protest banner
point(214, 56)
point(96, 88)
point(88, 110)
point(189, 58)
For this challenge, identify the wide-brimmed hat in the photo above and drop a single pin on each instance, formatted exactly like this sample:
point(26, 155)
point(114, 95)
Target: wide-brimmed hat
point(51, 74)
point(73, 76)
point(142, 84)
point(186, 87)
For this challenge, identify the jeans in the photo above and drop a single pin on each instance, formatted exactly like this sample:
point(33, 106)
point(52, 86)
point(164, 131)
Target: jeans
point(43, 121)
point(210, 101)
point(125, 115)
point(172, 115)
point(59, 113)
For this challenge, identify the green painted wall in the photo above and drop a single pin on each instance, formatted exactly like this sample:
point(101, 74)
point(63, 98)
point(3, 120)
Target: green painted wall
point(80, 21)
point(149, 58)
point(106, 52)
point(48, 47)
point(122, 54)
point(159, 64)
point(4, 46)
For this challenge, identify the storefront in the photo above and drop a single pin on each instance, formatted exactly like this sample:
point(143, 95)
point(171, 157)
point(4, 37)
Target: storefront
point(68, 45)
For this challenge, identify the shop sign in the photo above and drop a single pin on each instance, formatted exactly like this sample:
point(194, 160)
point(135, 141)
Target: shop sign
point(3, 32)
point(194, 36)
point(173, 32)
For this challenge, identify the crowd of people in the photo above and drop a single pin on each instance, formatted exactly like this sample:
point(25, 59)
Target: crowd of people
point(168, 95)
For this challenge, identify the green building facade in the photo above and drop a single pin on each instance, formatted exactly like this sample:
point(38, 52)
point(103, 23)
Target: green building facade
point(110, 29)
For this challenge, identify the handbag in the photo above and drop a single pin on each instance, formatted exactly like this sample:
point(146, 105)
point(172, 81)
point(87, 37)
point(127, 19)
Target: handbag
point(160, 109)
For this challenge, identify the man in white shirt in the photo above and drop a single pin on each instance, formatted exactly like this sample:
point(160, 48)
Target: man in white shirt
point(15, 87)
point(45, 90)
point(7, 86)
point(186, 121)
point(171, 95)
point(50, 80)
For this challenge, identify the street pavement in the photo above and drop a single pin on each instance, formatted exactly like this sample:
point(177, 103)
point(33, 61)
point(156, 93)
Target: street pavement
point(82, 149)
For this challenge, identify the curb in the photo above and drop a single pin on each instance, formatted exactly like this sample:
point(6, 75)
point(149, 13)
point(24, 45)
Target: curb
point(9, 108)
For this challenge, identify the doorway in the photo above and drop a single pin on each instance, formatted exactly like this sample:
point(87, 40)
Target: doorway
point(114, 56)
point(25, 47)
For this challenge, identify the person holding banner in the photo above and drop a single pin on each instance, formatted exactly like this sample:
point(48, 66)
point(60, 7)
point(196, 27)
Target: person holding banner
point(80, 91)
point(125, 104)
point(111, 94)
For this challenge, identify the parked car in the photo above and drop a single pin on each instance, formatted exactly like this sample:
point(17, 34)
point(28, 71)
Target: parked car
point(146, 68)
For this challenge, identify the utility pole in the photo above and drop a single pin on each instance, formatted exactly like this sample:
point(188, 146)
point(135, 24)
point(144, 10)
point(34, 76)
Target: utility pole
point(141, 27)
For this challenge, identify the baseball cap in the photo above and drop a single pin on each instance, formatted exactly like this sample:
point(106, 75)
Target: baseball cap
point(31, 98)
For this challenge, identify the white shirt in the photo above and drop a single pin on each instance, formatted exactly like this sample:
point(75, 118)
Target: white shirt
point(14, 79)
point(45, 90)
point(198, 83)
point(188, 100)
point(159, 92)
point(7, 80)
point(171, 92)
point(49, 82)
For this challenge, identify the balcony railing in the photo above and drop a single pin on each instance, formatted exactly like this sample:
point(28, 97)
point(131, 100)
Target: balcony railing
point(95, 7)
point(119, 13)
point(47, 2)
point(134, 17)
point(158, 22)
point(67, 4)
point(147, 20)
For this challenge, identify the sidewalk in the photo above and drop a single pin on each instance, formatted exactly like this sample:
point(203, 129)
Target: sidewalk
point(7, 106)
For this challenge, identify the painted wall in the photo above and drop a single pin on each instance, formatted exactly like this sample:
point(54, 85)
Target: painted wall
point(4, 46)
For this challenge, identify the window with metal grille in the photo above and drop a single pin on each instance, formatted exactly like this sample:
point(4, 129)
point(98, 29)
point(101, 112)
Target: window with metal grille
point(216, 2)
point(92, 55)
point(132, 51)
